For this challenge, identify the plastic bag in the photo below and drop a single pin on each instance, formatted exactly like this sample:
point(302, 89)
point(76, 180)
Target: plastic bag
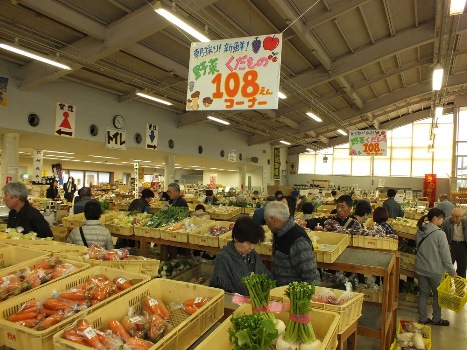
point(347, 295)
point(326, 296)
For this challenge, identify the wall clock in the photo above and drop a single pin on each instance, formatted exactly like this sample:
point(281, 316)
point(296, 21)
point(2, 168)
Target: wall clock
point(33, 119)
point(118, 122)
point(171, 144)
point(138, 138)
point(93, 130)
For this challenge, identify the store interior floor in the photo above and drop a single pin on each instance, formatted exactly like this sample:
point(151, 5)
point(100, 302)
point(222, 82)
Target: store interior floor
point(452, 337)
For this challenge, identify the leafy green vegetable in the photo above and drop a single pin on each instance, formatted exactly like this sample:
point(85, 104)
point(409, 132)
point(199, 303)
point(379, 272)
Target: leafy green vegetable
point(252, 332)
point(169, 216)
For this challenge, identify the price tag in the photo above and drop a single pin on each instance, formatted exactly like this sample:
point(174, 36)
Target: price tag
point(198, 299)
point(89, 333)
point(136, 319)
point(121, 280)
point(153, 302)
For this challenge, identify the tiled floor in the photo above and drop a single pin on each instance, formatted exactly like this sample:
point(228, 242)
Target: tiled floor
point(453, 337)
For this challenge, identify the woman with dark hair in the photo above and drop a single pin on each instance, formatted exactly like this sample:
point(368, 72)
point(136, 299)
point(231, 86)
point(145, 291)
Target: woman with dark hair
point(70, 189)
point(291, 202)
point(433, 260)
point(210, 198)
point(52, 191)
point(362, 210)
point(278, 195)
point(238, 258)
point(380, 217)
point(141, 205)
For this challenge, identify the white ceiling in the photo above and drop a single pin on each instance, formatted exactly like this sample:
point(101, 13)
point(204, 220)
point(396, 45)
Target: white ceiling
point(356, 63)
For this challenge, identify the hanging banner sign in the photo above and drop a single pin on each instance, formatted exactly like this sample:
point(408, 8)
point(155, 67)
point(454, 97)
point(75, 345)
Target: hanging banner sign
point(429, 188)
point(3, 91)
point(277, 164)
point(152, 133)
point(232, 155)
point(212, 181)
point(368, 143)
point(115, 139)
point(38, 159)
point(235, 74)
point(65, 119)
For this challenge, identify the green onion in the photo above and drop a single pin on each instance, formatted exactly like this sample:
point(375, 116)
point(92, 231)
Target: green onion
point(259, 287)
point(300, 294)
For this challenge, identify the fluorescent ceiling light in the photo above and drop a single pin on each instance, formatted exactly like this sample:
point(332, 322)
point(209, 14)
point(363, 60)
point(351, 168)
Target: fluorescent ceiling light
point(213, 168)
point(152, 98)
point(33, 56)
point(180, 23)
point(309, 150)
point(221, 121)
point(342, 132)
point(457, 7)
point(58, 152)
point(103, 157)
point(75, 160)
point(285, 142)
point(87, 161)
point(438, 112)
point(437, 77)
point(314, 117)
point(281, 95)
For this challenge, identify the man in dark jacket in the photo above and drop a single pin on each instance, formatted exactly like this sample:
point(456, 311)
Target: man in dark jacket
point(85, 196)
point(141, 205)
point(292, 254)
point(22, 214)
point(176, 199)
point(394, 208)
point(456, 232)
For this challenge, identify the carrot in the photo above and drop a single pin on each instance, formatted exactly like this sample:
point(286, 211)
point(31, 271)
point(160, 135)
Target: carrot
point(73, 294)
point(117, 328)
point(48, 312)
point(15, 286)
point(99, 294)
point(50, 321)
point(89, 334)
point(61, 270)
point(190, 309)
point(30, 282)
point(72, 335)
point(59, 304)
point(22, 316)
point(82, 325)
point(156, 307)
point(98, 278)
point(48, 263)
point(122, 283)
point(30, 323)
point(197, 302)
point(129, 325)
point(158, 328)
point(139, 344)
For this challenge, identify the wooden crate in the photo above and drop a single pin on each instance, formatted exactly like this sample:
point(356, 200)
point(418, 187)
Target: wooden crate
point(349, 312)
point(324, 323)
point(19, 337)
point(332, 245)
point(375, 242)
point(187, 329)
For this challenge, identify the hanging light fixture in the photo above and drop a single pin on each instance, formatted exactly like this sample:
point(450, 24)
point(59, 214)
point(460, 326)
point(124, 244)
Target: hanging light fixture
point(325, 159)
point(221, 121)
point(457, 7)
point(314, 117)
point(438, 112)
point(152, 98)
point(179, 23)
point(342, 132)
point(285, 142)
point(437, 77)
point(281, 95)
point(34, 56)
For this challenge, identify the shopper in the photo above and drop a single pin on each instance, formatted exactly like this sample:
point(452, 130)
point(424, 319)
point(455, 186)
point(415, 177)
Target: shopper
point(292, 254)
point(278, 195)
point(176, 199)
point(84, 197)
point(456, 232)
point(394, 208)
point(210, 198)
point(433, 260)
point(342, 215)
point(141, 205)
point(200, 212)
point(362, 210)
point(258, 214)
point(380, 217)
point(291, 202)
point(238, 258)
point(445, 205)
point(92, 232)
point(22, 214)
point(52, 191)
point(308, 209)
point(69, 188)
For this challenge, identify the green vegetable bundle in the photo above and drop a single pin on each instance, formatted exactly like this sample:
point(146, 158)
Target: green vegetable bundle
point(300, 294)
point(259, 286)
point(252, 332)
point(166, 217)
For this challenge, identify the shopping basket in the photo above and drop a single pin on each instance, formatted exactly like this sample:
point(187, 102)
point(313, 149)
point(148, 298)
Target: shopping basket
point(452, 293)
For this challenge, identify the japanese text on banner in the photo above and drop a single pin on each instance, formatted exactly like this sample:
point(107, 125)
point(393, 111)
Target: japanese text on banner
point(368, 143)
point(235, 74)
point(277, 164)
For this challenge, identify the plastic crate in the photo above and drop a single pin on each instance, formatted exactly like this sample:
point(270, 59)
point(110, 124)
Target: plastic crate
point(80, 266)
point(187, 329)
point(182, 236)
point(136, 264)
point(60, 233)
point(201, 236)
point(407, 261)
point(72, 221)
point(265, 248)
point(452, 293)
point(120, 230)
point(333, 244)
point(226, 238)
point(324, 323)
point(11, 256)
point(15, 336)
point(348, 312)
point(54, 247)
point(375, 242)
point(427, 330)
point(224, 216)
point(205, 270)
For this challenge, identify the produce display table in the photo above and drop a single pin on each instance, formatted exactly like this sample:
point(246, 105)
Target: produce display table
point(376, 263)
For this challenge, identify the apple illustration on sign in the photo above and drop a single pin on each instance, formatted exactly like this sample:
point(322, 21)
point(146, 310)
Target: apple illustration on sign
point(270, 43)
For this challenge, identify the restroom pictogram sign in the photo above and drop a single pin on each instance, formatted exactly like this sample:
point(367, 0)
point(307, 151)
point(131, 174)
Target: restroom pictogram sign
point(65, 117)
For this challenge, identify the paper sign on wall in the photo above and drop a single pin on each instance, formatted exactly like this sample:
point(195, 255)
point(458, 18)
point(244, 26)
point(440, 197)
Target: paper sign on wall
point(115, 139)
point(65, 119)
point(368, 143)
point(276, 164)
point(235, 74)
point(152, 133)
point(232, 155)
point(38, 159)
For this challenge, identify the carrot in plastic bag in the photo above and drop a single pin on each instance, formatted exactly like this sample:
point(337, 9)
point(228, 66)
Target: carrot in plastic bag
point(59, 304)
point(122, 283)
point(30, 282)
point(85, 329)
point(48, 263)
point(156, 307)
point(158, 328)
point(50, 321)
point(29, 323)
point(73, 294)
point(62, 270)
point(190, 309)
point(117, 328)
point(197, 302)
point(139, 344)
point(74, 336)
point(14, 286)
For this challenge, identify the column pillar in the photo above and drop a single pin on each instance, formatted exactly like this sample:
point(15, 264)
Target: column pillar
point(10, 158)
point(169, 173)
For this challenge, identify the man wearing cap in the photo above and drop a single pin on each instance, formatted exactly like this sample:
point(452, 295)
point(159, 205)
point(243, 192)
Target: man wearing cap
point(445, 205)
point(258, 214)
point(210, 198)
point(456, 231)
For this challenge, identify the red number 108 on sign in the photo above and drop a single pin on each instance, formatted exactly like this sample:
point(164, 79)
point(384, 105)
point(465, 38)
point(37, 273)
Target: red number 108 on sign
point(371, 148)
point(232, 85)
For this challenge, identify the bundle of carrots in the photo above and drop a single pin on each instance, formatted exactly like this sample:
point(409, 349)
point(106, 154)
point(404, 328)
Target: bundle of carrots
point(136, 332)
point(190, 306)
point(42, 315)
point(23, 280)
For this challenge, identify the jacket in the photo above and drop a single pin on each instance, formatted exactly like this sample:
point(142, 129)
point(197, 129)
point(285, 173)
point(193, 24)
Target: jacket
point(179, 202)
point(139, 205)
point(448, 227)
point(394, 208)
point(30, 219)
point(447, 207)
point(94, 232)
point(229, 268)
point(433, 256)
